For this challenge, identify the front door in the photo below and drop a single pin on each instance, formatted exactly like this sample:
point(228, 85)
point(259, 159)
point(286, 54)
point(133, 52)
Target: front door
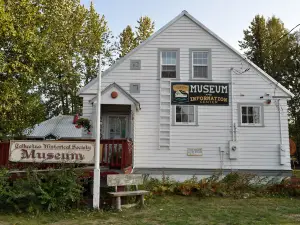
point(117, 127)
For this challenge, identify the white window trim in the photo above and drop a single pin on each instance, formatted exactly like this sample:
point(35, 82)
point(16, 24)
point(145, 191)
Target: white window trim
point(195, 123)
point(159, 66)
point(209, 64)
point(261, 114)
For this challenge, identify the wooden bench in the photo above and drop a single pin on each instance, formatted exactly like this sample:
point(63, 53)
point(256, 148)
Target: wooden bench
point(125, 180)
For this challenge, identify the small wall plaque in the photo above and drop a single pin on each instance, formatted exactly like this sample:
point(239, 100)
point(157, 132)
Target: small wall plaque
point(194, 152)
point(135, 64)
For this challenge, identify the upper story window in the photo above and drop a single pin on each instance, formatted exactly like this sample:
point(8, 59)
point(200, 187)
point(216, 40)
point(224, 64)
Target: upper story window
point(169, 63)
point(251, 114)
point(200, 64)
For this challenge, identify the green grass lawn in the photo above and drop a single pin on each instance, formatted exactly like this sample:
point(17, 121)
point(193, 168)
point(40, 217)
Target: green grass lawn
point(179, 210)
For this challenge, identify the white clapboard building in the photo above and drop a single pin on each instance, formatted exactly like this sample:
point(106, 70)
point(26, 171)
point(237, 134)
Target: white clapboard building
point(191, 105)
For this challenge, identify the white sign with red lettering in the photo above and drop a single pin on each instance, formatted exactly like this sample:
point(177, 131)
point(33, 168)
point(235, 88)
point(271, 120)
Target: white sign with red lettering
point(52, 151)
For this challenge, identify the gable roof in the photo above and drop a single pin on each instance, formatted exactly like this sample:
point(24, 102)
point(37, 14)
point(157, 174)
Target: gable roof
point(185, 13)
point(136, 102)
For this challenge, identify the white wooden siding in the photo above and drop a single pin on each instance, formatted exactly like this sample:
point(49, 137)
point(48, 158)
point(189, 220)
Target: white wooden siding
point(258, 147)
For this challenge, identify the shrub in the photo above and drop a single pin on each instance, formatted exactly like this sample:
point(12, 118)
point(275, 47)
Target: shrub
point(4, 186)
point(51, 190)
point(235, 184)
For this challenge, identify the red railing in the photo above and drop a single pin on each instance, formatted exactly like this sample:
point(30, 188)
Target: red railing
point(4, 153)
point(116, 153)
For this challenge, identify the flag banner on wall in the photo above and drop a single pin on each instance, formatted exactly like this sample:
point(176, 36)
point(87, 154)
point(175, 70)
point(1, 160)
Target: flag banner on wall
point(199, 93)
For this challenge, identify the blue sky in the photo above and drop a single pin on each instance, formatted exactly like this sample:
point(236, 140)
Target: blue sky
point(226, 18)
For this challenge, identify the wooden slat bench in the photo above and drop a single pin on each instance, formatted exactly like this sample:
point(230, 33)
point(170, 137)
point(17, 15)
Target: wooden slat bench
point(126, 180)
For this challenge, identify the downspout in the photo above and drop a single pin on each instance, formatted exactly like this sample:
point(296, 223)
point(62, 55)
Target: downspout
point(281, 147)
point(232, 107)
point(280, 127)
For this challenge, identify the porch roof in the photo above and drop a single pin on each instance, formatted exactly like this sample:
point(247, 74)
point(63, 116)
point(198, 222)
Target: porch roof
point(122, 91)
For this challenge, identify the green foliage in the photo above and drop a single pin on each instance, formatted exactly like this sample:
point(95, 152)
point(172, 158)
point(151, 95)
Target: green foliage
point(85, 123)
point(35, 192)
point(129, 39)
point(236, 185)
point(46, 59)
point(144, 28)
point(279, 56)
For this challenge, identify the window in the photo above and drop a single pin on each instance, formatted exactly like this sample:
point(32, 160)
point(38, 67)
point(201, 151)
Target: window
point(185, 115)
point(251, 115)
point(168, 64)
point(200, 64)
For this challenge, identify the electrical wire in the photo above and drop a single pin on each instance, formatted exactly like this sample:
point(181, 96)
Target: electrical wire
point(275, 42)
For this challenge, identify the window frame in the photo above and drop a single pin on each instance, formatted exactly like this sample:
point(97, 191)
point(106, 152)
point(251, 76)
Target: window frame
point(195, 123)
point(261, 115)
point(209, 65)
point(160, 51)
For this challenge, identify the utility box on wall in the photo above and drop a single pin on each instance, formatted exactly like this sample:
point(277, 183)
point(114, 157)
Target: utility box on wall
point(233, 150)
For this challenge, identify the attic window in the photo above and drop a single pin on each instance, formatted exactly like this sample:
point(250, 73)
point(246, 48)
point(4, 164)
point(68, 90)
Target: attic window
point(200, 64)
point(169, 63)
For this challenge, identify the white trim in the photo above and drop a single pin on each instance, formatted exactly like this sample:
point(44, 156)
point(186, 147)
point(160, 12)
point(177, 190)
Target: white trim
point(185, 13)
point(161, 63)
point(207, 64)
point(261, 118)
point(185, 123)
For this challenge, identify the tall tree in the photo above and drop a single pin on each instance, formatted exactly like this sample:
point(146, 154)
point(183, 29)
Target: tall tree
point(144, 28)
point(270, 45)
point(260, 44)
point(48, 50)
point(127, 41)
point(20, 104)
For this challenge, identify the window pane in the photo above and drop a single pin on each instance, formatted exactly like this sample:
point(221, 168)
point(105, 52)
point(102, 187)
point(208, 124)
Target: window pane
point(256, 114)
point(191, 118)
point(184, 118)
point(173, 58)
point(185, 109)
point(250, 119)
point(164, 57)
point(178, 109)
point(200, 72)
point(250, 110)
point(178, 118)
point(244, 119)
point(168, 72)
point(191, 109)
point(244, 110)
